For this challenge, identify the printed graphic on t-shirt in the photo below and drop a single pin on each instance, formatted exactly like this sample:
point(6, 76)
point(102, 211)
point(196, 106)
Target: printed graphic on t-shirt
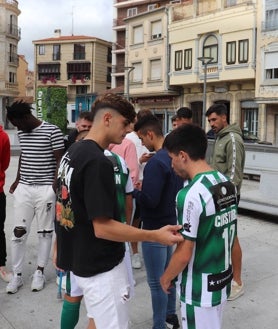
point(64, 213)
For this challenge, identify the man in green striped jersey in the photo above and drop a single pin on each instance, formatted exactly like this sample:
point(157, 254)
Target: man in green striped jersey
point(207, 209)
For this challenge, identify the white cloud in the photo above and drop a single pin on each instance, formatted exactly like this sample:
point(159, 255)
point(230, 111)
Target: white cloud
point(39, 19)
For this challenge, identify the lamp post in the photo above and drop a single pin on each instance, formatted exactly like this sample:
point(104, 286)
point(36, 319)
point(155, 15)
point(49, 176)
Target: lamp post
point(129, 70)
point(205, 61)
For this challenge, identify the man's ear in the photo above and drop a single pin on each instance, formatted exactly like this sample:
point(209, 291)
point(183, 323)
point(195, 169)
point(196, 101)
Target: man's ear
point(183, 155)
point(107, 118)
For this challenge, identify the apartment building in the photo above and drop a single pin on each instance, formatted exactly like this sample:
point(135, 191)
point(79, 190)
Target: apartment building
point(82, 64)
point(9, 38)
point(148, 60)
point(267, 70)
point(25, 79)
point(213, 46)
point(126, 9)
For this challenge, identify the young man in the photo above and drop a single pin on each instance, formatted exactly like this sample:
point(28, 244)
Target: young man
point(229, 157)
point(4, 164)
point(207, 210)
point(90, 210)
point(83, 123)
point(157, 203)
point(73, 294)
point(183, 116)
point(42, 147)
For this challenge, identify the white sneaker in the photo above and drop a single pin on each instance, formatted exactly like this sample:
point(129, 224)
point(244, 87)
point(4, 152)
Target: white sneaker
point(15, 283)
point(5, 275)
point(136, 261)
point(38, 281)
point(236, 290)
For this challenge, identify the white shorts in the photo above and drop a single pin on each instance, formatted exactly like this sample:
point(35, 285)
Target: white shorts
point(72, 288)
point(34, 201)
point(194, 317)
point(105, 297)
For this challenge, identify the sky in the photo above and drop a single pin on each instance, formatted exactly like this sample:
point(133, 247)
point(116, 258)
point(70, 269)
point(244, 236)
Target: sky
point(39, 19)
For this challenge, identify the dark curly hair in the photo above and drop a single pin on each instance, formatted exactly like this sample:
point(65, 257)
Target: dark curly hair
point(18, 110)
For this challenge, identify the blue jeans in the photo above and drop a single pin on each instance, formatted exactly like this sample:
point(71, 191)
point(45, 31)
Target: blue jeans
point(156, 258)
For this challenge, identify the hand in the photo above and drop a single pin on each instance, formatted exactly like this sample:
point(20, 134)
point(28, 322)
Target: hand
point(13, 186)
point(169, 235)
point(145, 157)
point(138, 186)
point(166, 284)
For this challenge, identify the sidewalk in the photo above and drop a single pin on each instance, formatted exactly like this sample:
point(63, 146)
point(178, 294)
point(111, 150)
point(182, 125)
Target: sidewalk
point(256, 309)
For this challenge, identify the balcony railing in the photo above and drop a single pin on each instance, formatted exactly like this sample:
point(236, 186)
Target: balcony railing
point(13, 58)
point(14, 31)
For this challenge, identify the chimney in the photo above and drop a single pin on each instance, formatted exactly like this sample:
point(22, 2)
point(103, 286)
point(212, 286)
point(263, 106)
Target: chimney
point(57, 33)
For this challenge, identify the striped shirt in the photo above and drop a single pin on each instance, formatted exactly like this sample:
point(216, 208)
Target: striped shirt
point(208, 212)
point(38, 163)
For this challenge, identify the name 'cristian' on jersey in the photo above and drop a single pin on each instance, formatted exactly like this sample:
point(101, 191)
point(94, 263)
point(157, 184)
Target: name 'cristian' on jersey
point(225, 218)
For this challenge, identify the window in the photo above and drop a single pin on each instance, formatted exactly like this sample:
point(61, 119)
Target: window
point(188, 59)
point(48, 71)
point(137, 74)
point(108, 77)
point(81, 90)
point(79, 70)
point(271, 65)
point(156, 30)
point(250, 120)
point(109, 55)
point(79, 51)
point(41, 49)
point(153, 6)
point(231, 52)
point(178, 60)
point(138, 34)
point(230, 3)
point(12, 77)
point(13, 58)
point(131, 12)
point(56, 52)
point(243, 51)
point(155, 69)
point(271, 19)
point(210, 48)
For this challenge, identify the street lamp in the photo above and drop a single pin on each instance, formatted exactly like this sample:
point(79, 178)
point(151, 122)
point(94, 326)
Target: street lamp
point(205, 61)
point(129, 70)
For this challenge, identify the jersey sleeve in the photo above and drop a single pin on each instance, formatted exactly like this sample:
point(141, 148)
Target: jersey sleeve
point(189, 213)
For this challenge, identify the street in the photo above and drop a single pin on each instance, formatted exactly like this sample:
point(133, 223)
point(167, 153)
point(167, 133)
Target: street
point(256, 309)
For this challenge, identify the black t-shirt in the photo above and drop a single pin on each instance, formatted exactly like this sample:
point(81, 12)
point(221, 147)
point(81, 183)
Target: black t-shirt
point(86, 190)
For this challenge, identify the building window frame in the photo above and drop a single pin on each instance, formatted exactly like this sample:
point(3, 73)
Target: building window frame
point(178, 60)
point(79, 51)
point(155, 72)
point(138, 34)
point(41, 49)
point(137, 73)
point(56, 56)
point(231, 52)
point(188, 58)
point(131, 12)
point(243, 51)
point(210, 48)
point(156, 29)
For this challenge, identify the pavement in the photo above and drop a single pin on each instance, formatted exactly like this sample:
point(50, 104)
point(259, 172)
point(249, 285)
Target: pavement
point(256, 309)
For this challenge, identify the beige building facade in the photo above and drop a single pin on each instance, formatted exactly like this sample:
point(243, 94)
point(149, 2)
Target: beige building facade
point(82, 64)
point(267, 70)
point(9, 38)
point(148, 60)
point(213, 46)
point(25, 79)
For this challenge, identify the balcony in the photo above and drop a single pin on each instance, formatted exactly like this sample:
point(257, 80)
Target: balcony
point(13, 58)
point(14, 31)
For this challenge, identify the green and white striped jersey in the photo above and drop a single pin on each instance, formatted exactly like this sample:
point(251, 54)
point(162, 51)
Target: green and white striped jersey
point(122, 180)
point(207, 209)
